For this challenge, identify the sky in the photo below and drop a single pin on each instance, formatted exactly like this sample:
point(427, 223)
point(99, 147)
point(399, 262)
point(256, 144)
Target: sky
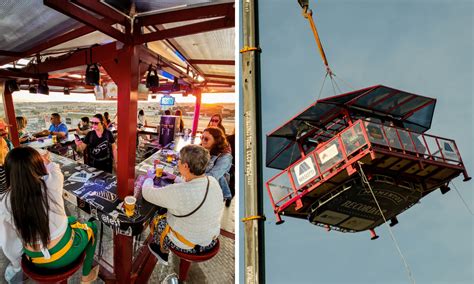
point(422, 47)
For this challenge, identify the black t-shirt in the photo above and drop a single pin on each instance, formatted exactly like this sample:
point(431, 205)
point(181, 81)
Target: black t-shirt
point(99, 150)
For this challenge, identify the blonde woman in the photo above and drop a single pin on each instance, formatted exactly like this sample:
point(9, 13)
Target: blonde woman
point(22, 133)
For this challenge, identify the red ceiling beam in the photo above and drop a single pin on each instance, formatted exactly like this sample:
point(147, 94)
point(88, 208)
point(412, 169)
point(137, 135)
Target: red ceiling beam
point(203, 12)
point(53, 42)
point(207, 26)
point(211, 62)
point(11, 53)
point(221, 82)
point(220, 76)
point(17, 75)
point(103, 10)
point(71, 10)
point(99, 53)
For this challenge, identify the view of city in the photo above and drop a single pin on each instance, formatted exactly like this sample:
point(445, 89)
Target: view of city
point(38, 113)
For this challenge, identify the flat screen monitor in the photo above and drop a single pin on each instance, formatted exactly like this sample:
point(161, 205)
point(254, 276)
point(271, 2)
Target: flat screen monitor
point(167, 101)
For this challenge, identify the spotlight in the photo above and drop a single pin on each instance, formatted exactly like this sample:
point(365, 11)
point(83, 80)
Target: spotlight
point(12, 86)
point(92, 74)
point(373, 235)
point(66, 91)
point(43, 87)
point(175, 86)
point(152, 80)
point(33, 89)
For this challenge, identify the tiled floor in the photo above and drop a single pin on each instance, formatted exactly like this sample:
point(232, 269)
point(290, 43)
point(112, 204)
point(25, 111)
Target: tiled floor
point(220, 269)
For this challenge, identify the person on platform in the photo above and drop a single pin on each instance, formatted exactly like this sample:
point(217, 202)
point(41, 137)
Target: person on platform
point(23, 134)
point(181, 122)
point(33, 205)
point(56, 128)
point(141, 119)
point(216, 121)
point(100, 146)
point(83, 127)
point(214, 140)
point(107, 119)
point(194, 203)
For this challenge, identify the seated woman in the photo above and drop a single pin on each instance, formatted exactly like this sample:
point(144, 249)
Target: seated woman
point(100, 145)
point(34, 205)
point(193, 220)
point(213, 139)
point(22, 132)
point(10, 243)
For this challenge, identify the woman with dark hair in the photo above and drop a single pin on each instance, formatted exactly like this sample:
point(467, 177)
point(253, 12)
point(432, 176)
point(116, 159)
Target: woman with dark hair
point(141, 119)
point(100, 145)
point(181, 122)
point(107, 120)
point(216, 121)
point(213, 139)
point(34, 204)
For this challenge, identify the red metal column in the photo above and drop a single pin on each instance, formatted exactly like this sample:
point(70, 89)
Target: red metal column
point(125, 72)
point(197, 110)
point(10, 113)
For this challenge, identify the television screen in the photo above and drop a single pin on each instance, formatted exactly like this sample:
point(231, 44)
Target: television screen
point(167, 101)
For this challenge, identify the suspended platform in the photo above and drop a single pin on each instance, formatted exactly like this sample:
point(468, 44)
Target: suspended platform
point(341, 145)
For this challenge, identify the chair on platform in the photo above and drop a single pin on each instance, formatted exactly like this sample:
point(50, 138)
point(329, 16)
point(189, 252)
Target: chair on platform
point(186, 259)
point(60, 275)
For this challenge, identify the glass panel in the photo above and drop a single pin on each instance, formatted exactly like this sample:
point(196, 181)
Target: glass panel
point(448, 149)
point(281, 189)
point(392, 137)
point(353, 139)
point(329, 155)
point(304, 171)
point(433, 147)
point(375, 133)
point(419, 143)
point(406, 141)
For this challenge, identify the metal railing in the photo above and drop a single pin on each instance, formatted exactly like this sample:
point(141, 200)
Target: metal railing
point(350, 145)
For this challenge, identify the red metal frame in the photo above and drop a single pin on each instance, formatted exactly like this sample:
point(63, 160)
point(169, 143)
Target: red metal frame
point(203, 12)
point(207, 26)
point(197, 110)
point(279, 208)
point(103, 25)
point(10, 114)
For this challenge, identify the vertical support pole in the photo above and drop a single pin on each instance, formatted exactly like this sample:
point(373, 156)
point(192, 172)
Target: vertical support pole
point(254, 229)
point(125, 72)
point(123, 258)
point(197, 110)
point(10, 112)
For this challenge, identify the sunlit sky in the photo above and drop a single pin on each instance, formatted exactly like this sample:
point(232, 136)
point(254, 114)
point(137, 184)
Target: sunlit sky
point(423, 47)
point(207, 98)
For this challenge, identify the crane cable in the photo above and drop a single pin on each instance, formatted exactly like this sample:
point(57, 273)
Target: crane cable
point(366, 181)
point(308, 14)
point(462, 199)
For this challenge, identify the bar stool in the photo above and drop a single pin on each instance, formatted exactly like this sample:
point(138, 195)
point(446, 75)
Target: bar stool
point(186, 259)
point(59, 275)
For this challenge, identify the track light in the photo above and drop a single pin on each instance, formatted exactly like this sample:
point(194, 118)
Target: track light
point(33, 89)
point(12, 86)
point(152, 79)
point(92, 74)
point(66, 91)
point(43, 87)
point(175, 86)
point(444, 189)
